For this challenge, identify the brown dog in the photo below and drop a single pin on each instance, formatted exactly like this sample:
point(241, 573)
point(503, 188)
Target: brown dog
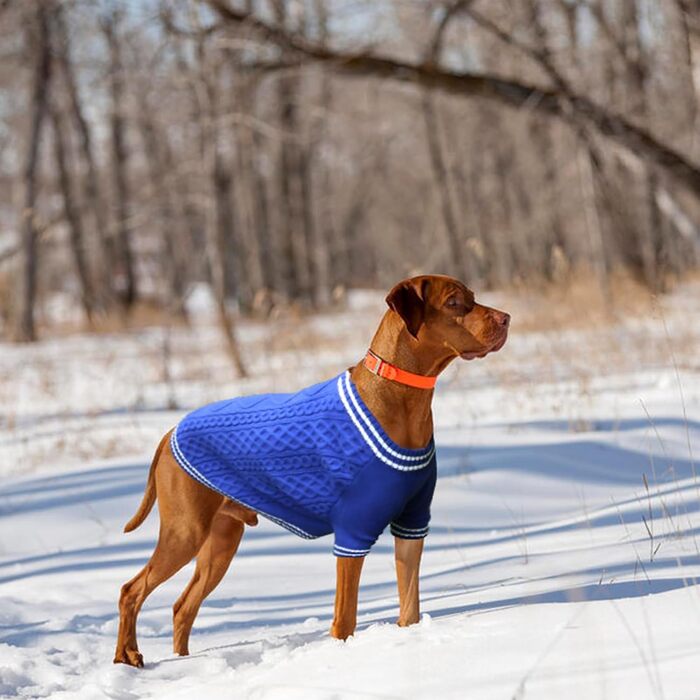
point(431, 320)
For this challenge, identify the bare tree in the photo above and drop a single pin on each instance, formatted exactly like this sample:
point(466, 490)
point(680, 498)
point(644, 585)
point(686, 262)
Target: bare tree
point(568, 106)
point(294, 257)
point(170, 223)
point(39, 44)
point(90, 181)
point(125, 273)
point(221, 222)
point(71, 211)
point(267, 150)
point(321, 226)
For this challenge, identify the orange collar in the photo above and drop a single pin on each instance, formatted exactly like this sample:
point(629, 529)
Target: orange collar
point(377, 366)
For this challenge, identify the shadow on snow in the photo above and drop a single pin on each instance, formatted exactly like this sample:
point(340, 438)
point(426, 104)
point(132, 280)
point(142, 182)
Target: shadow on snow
point(581, 460)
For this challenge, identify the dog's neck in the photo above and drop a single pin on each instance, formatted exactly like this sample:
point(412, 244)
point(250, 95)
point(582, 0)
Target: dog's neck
point(404, 412)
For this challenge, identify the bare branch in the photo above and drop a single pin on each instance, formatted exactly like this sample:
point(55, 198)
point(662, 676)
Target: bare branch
point(435, 48)
point(571, 108)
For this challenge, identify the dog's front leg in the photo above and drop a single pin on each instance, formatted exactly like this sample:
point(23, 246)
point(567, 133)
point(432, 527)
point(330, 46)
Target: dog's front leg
point(407, 554)
point(348, 570)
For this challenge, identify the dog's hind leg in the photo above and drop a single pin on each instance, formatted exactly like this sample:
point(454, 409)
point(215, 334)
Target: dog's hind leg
point(213, 561)
point(170, 555)
point(186, 510)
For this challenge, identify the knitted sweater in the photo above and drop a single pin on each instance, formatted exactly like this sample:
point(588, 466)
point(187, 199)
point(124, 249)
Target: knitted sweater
point(315, 462)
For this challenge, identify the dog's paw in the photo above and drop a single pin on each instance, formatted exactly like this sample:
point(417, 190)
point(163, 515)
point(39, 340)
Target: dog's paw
point(408, 620)
point(341, 632)
point(130, 657)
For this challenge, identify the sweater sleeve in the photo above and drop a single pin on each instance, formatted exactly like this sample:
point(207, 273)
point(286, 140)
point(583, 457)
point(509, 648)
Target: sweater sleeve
point(412, 524)
point(380, 496)
point(361, 516)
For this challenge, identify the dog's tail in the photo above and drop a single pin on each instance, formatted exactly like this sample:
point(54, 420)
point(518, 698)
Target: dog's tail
point(149, 495)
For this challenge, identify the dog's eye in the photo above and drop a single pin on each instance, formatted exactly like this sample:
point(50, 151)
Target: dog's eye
point(454, 303)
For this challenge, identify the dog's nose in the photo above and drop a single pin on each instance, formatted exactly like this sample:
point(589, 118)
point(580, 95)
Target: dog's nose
point(502, 319)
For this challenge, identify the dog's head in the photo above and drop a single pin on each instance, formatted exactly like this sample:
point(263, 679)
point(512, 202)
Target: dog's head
point(441, 310)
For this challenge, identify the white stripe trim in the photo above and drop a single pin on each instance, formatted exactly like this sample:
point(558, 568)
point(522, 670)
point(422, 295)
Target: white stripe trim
point(373, 430)
point(371, 445)
point(409, 529)
point(406, 535)
point(343, 553)
point(347, 549)
point(187, 466)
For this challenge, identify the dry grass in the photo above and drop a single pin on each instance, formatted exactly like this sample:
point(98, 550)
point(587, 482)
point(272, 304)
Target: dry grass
point(144, 314)
point(579, 301)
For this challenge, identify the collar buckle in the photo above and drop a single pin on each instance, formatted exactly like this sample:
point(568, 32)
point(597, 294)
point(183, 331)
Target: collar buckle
point(373, 363)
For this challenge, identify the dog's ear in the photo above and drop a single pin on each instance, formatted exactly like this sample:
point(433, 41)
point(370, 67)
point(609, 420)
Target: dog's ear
point(407, 298)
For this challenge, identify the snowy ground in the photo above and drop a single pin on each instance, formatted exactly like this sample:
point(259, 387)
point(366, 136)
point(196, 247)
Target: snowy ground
point(562, 559)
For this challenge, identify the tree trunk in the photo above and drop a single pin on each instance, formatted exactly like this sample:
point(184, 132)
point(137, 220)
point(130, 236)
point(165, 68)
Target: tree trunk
point(171, 226)
point(252, 153)
point(39, 41)
point(293, 254)
point(689, 19)
point(71, 211)
point(323, 227)
point(291, 232)
point(455, 248)
point(252, 266)
point(498, 167)
point(308, 240)
point(125, 283)
point(542, 135)
point(317, 179)
point(260, 196)
point(223, 225)
point(637, 72)
point(90, 186)
point(220, 222)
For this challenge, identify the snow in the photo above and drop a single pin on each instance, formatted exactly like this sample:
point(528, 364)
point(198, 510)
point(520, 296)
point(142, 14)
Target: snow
point(562, 560)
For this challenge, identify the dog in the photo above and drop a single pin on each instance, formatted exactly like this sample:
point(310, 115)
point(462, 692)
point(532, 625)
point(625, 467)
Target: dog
point(351, 456)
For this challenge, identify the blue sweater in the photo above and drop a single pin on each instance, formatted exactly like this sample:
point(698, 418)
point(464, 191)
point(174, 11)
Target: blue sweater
point(314, 462)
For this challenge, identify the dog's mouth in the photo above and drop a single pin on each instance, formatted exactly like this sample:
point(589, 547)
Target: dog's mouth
point(472, 355)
